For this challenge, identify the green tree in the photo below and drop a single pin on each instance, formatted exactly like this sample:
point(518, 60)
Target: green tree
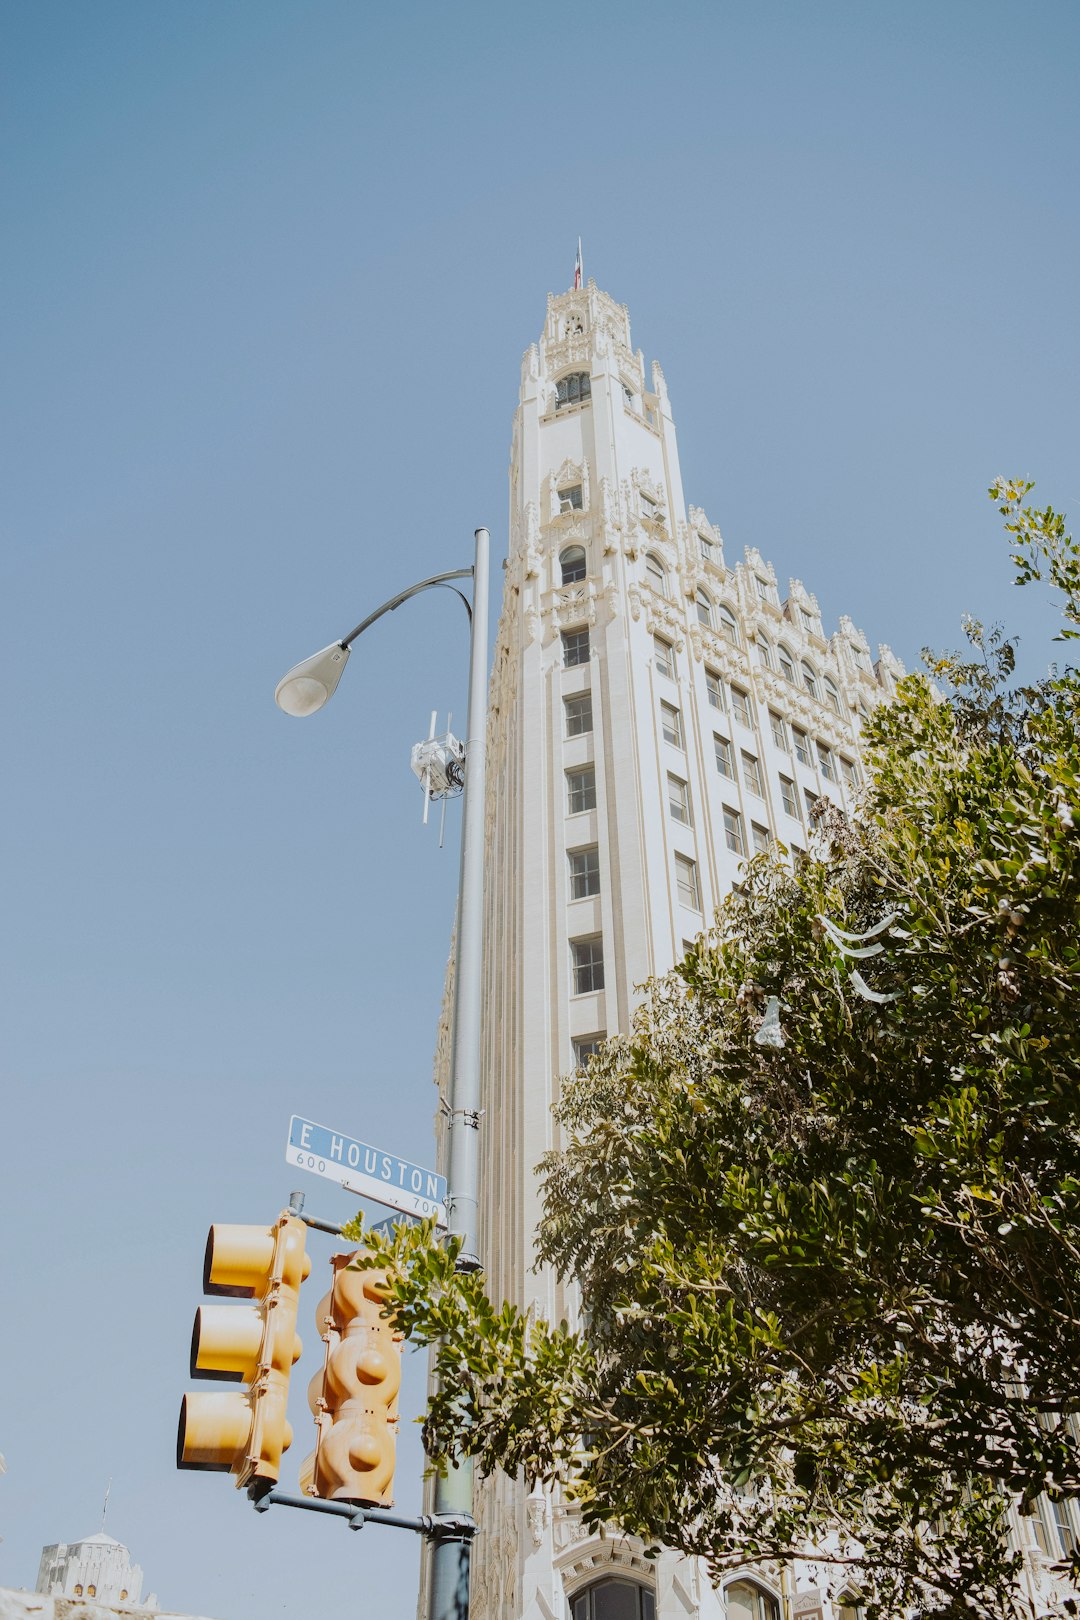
point(821, 1202)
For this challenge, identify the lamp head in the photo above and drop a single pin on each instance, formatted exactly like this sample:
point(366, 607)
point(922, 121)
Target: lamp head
point(307, 686)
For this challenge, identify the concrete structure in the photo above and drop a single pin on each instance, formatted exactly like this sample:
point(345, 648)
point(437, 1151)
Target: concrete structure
point(660, 709)
point(96, 1567)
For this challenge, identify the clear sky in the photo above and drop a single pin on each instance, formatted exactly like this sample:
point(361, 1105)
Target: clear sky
point(269, 271)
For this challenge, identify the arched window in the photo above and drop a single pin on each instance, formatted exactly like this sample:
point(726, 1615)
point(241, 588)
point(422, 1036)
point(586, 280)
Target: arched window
point(654, 568)
point(787, 665)
point(613, 1599)
point(91, 1590)
point(809, 679)
point(764, 652)
point(573, 389)
point(850, 1607)
point(572, 562)
point(704, 608)
point(728, 628)
point(832, 697)
point(744, 1600)
point(78, 1589)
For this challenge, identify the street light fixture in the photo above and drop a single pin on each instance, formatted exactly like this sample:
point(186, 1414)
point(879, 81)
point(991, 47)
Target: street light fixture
point(306, 688)
point(310, 684)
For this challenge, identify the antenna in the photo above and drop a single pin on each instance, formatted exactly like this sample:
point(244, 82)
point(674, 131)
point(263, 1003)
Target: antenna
point(105, 1504)
point(439, 763)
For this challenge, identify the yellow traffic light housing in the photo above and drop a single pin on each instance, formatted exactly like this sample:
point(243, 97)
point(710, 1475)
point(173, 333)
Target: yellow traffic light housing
point(354, 1397)
point(244, 1434)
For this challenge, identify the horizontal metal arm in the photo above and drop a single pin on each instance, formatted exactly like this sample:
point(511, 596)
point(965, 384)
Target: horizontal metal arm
point(433, 1526)
point(403, 596)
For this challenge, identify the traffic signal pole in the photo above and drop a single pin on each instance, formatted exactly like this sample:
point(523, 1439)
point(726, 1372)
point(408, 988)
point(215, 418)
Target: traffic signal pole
point(449, 1560)
point(303, 690)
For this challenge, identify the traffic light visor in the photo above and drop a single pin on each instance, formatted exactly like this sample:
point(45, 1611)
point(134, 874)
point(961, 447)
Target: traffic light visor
point(238, 1260)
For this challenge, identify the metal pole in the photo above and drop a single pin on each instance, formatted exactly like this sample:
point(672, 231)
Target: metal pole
point(448, 1561)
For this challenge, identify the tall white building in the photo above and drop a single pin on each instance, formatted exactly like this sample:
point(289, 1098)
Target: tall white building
point(660, 710)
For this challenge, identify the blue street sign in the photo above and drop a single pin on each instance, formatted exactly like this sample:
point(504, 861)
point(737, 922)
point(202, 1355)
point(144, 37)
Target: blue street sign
point(366, 1170)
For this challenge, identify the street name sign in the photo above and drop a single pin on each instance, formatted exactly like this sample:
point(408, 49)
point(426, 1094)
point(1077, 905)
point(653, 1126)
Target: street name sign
point(365, 1170)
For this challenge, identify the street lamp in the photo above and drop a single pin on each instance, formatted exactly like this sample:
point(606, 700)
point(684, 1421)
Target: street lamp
point(306, 688)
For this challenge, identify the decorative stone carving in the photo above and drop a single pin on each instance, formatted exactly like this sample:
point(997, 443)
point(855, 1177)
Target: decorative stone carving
point(536, 1507)
point(757, 565)
point(570, 473)
point(499, 1566)
point(574, 605)
point(705, 643)
point(661, 618)
point(533, 552)
point(795, 703)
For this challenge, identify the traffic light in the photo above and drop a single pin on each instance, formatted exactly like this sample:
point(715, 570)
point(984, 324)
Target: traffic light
point(354, 1398)
point(245, 1434)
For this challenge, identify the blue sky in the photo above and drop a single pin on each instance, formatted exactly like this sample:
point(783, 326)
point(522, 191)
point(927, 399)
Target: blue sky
point(270, 269)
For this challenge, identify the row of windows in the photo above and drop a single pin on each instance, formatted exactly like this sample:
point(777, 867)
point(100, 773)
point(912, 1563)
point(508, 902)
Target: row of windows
point(664, 654)
point(787, 739)
point(615, 1598)
point(581, 796)
point(717, 616)
point(721, 617)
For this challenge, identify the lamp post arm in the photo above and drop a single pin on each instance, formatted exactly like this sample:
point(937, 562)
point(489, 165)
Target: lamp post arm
point(403, 596)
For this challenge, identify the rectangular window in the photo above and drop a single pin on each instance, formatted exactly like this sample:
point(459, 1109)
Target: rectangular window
point(762, 588)
point(706, 547)
point(578, 714)
point(1065, 1529)
point(686, 881)
point(733, 830)
point(740, 703)
point(587, 1046)
point(714, 686)
point(665, 656)
point(587, 956)
point(678, 798)
point(825, 760)
point(752, 775)
point(778, 726)
point(671, 724)
point(575, 648)
point(802, 750)
point(1041, 1526)
point(807, 621)
point(580, 790)
point(724, 758)
point(761, 836)
point(584, 872)
point(789, 798)
point(851, 775)
point(570, 498)
point(811, 800)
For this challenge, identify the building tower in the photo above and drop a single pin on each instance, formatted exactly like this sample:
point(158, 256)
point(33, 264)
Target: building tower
point(96, 1567)
point(659, 712)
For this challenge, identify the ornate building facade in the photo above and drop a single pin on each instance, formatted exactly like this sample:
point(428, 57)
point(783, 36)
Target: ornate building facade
point(96, 1567)
point(660, 710)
